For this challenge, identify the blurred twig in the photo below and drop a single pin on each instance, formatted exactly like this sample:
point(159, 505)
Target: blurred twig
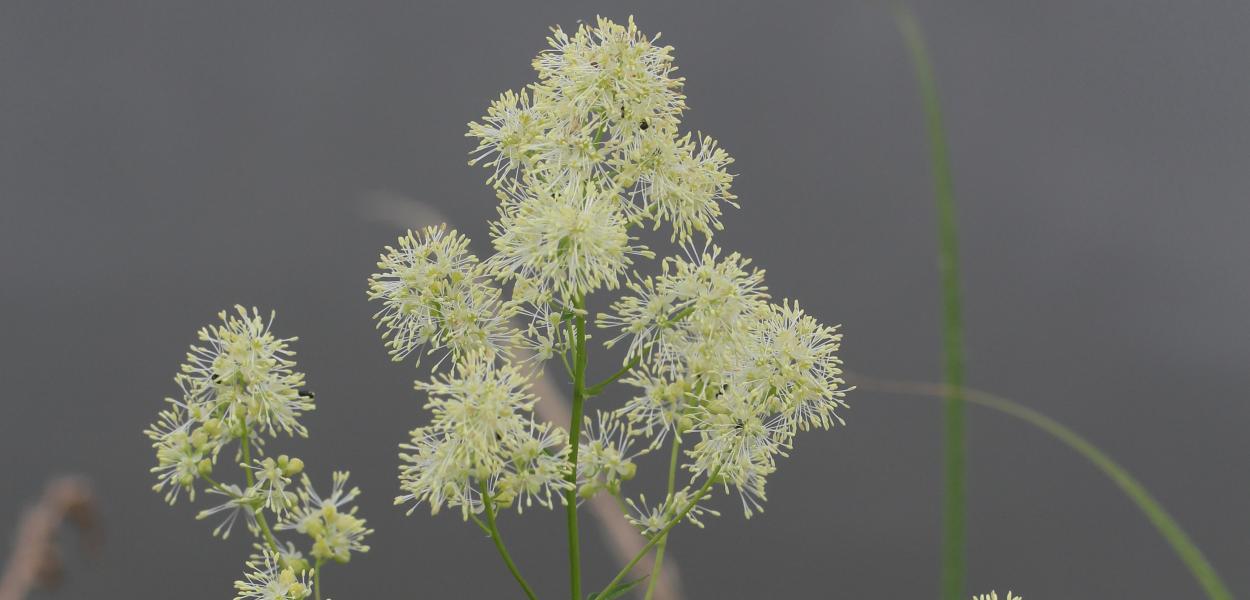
point(623, 540)
point(36, 560)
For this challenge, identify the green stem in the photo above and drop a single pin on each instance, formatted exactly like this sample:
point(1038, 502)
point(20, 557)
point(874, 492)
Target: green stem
point(659, 548)
point(597, 388)
point(1189, 553)
point(317, 578)
point(954, 503)
point(503, 551)
point(694, 501)
point(575, 429)
point(247, 474)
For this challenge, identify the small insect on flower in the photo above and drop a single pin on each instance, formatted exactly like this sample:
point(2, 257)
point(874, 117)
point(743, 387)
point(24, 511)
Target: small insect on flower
point(267, 580)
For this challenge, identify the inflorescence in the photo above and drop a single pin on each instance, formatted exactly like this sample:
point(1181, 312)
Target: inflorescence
point(239, 387)
point(579, 160)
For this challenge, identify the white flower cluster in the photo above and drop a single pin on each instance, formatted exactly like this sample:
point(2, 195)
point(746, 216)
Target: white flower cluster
point(994, 596)
point(482, 438)
point(240, 386)
point(579, 158)
point(267, 579)
point(719, 361)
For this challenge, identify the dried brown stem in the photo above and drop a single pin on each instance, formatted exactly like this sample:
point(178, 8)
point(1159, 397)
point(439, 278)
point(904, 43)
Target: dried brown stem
point(36, 560)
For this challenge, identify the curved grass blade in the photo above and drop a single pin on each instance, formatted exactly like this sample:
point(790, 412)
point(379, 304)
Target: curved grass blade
point(1171, 531)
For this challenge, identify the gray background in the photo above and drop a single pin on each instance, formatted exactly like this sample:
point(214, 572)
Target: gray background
point(161, 161)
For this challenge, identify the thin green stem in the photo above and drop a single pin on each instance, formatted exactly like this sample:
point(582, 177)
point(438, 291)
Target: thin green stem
point(247, 474)
point(659, 548)
point(317, 578)
point(954, 502)
point(575, 429)
point(598, 388)
point(655, 539)
point(480, 524)
point(1185, 549)
point(493, 529)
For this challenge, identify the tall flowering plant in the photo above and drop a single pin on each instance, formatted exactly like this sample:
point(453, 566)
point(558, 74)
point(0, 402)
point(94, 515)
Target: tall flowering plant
point(239, 389)
point(722, 377)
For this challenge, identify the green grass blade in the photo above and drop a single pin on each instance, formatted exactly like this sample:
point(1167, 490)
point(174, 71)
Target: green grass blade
point(955, 460)
point(1171, 531)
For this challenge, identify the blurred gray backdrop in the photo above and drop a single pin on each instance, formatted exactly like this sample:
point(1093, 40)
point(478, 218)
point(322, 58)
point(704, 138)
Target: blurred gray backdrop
point(160, 161)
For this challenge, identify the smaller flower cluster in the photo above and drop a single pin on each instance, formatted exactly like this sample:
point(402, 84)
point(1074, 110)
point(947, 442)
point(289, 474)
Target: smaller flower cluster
point(267, 579)
point(482, 438)
point(335, 530)
point(240, 386)
point(590, 149)
point(721, 362)
point(434, 293)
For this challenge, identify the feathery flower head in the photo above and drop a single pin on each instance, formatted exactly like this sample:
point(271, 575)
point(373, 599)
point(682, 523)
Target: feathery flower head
point(605, 458)
point(481, 431)
point(336, 532)
point(185, 449)
point(565, 241)
point(238, 501)
point(537, 462)
point(738, 440)
point(795, 358)
point(434, 293)
point(511, 132)
point(266, 579)
point(272, 479)
point(243, 374)
point(994, 596)
point(653, 519)
point(678, 180)
point(690, 317)
point(658, 409)
point(604, 115)
point(613, 73)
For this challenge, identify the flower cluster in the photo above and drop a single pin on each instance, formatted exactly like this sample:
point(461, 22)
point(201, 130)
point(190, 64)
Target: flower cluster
point(722, 362)
point(434, 293)
point(240, 387)
point(994, 596)
point(267, 579)
point(482, 438)
point(590, 149)
point(335, 531)
point(727, 378)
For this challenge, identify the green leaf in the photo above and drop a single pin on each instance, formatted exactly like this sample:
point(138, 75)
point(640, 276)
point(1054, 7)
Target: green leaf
point(618, 591)
point(954, 501)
